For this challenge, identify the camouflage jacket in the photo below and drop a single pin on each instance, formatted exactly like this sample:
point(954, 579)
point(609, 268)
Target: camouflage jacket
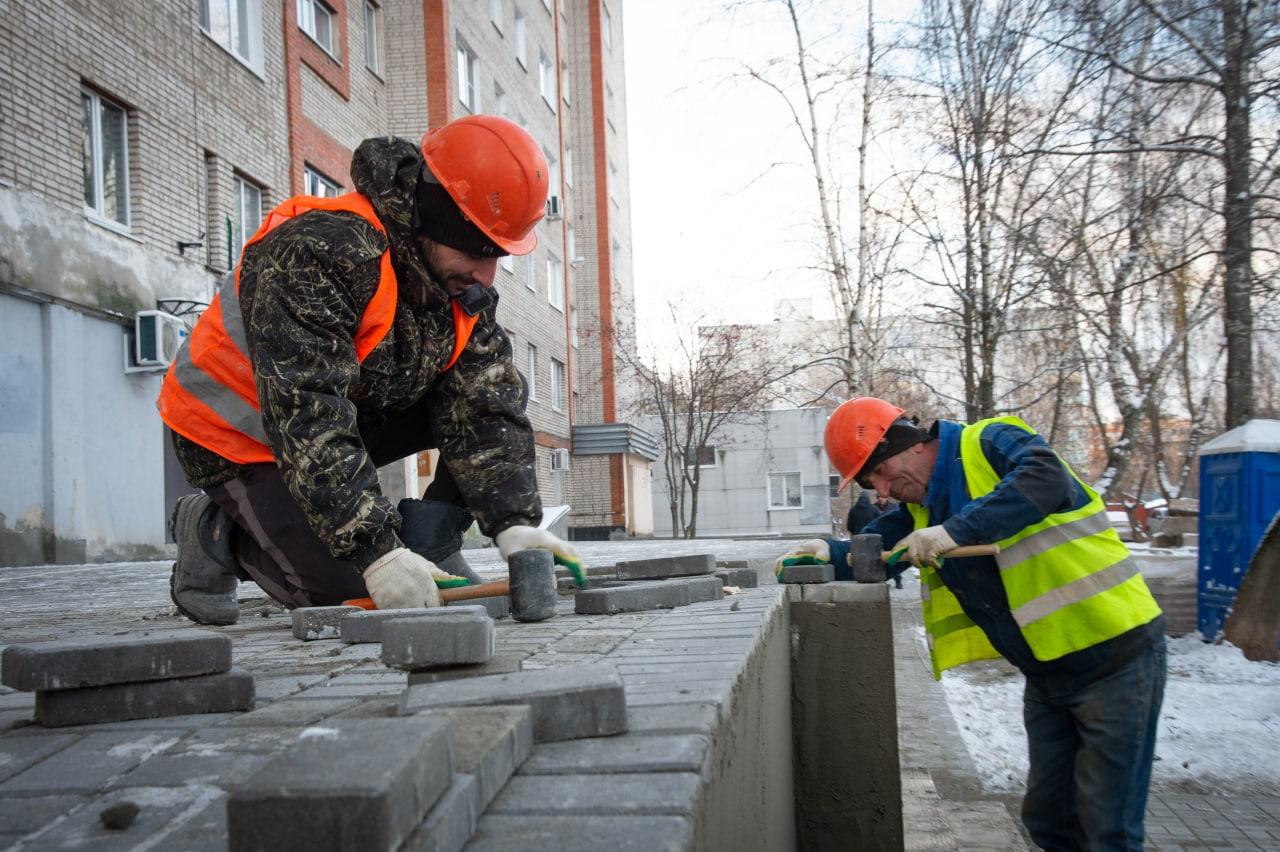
point(303, 290)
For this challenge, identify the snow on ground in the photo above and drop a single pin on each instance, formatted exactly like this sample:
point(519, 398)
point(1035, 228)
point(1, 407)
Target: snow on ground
point(1219, 728)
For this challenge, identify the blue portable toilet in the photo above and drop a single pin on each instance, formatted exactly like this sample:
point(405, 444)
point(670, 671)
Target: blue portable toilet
point(1239, 495)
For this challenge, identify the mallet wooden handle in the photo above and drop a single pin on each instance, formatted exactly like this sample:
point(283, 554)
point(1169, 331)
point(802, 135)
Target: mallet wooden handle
point(958, 552)
point(461, 593)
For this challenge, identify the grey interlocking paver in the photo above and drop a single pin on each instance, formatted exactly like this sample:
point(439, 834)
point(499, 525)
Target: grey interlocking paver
point(581, 834)
point(319, 622)
point(640, 793)
point(490, 743)
point(450, 822)
point(624, 753)
point(162, 811)
point(566, 703)
point(635, 597)
point(214, 693)
point(802, 574)
point(424, 643)
point(350, 784)
point(672, 566)
point(88, 764)
point(98, 660)
point(743, 578)
point(499, 664)
point(17, 753)
point(692, 717)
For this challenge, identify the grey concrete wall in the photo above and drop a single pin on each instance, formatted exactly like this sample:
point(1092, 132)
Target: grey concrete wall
point(848, 780)
point(733, 495)
point(80, 444)
point(748, 802)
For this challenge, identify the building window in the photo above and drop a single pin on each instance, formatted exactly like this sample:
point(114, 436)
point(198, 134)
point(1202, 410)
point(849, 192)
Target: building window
point(559, 387)
point(234, 24)
point(553, 178)
point(508, 263)
point(784, 491)
point(833, 485)
point(613, 183)
point(564, 81)
point(547, 79)
point(706, 457)
point(547, 3)
point(528, 273)
point(568, 164)
point(555, 282)
point(495, 14)
point(106, 158)
point(520, 39)
point(372, 37)
point(573, 326)
point(499, 101)
point(531, 371)
point(606, 26)
point(317, 20)
point(615, 260)
point(573, 246)
point(315, 183)
point(248, 217)
point(468, 91)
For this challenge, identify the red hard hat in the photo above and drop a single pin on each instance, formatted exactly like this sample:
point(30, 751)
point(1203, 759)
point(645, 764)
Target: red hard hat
point(497, 175)
point(854, 430)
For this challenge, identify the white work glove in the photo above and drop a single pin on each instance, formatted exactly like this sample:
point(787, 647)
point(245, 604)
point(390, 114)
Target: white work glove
point(815, 548)
point(530, 538)
point(924, 546)
point(401, 579)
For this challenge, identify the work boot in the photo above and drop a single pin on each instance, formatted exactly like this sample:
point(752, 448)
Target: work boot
point(433, 530)
point(203, 582)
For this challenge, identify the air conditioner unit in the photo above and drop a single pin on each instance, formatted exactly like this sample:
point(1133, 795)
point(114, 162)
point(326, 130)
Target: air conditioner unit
point(560, 459)
point(157, 335)
point(553, 207)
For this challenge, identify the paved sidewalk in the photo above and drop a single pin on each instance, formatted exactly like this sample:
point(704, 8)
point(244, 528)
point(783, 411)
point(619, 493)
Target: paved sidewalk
point(946, 807)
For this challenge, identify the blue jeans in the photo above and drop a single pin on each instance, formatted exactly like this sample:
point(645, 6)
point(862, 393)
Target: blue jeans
point(1091, 748)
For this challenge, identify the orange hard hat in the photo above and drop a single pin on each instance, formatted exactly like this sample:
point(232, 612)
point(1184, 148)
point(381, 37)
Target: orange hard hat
point(853, 432)
point(497, 175)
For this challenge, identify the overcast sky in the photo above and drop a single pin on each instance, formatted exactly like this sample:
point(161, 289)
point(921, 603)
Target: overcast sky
point(713, 224)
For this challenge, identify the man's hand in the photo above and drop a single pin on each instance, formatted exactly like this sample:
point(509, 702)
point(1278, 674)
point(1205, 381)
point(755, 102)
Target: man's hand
point(401, 579)
point(924, 546)
point(812, 552)
point(530, 538)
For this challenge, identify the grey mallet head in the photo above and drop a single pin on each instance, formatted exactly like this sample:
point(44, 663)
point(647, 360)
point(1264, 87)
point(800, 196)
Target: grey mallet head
point(533, 585)
point(865, 554)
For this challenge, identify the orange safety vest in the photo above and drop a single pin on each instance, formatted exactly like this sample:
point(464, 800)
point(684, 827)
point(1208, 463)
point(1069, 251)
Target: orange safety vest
point(209, 394)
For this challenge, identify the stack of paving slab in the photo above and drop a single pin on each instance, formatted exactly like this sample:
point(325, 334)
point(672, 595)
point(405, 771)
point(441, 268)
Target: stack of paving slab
point(647, 584)
point(116, 678)
point(806, 574)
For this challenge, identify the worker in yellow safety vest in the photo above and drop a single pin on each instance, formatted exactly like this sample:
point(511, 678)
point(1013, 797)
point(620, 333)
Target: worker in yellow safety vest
point(1063, 601)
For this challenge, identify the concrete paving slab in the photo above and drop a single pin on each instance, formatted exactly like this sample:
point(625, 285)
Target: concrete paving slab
point(690, 718)
point(88, 764)
point(499, 664)
point(161, 811)
point(581, 834)
point(665, 567)
point(319, 622)
point(588, 795)
point(100, 660)
point(801, 574)
point(490, 743)
point(17, 753)
point(365, 626)
point(414, 644)
point(623, 753)
point(350, 785)
point(637, 597)
point(450, 822)
point(215, 693)
point(579, 701)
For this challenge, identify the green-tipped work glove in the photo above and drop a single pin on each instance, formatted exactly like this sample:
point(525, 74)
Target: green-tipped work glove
point(401, 579)
point(811, 552)
point(529, 538)
point(924, 546)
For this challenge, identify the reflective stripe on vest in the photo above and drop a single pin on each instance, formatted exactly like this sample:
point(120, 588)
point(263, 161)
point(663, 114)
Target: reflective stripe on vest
point(1070, 581)
point(209, 394)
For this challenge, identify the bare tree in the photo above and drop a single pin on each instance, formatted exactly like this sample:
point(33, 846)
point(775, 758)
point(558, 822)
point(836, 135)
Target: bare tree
point(714, 376)
point(1229, 49)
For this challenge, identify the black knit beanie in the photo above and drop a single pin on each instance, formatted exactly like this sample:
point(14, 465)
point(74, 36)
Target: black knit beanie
point(902, 434)
point(438, 218)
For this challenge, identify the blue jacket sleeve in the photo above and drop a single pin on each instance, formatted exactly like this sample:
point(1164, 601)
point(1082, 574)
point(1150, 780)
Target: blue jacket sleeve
point(1033, 483)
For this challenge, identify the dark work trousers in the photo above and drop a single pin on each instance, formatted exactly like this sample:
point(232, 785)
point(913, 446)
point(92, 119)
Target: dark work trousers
point(276, 547)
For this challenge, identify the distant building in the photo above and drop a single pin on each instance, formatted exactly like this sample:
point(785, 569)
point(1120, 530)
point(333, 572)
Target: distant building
point(141, 145)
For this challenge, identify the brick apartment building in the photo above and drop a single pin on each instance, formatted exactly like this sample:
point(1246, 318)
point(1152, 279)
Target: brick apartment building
point(140, 144)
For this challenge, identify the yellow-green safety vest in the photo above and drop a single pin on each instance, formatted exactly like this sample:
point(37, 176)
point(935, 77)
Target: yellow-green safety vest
point(1070, 581)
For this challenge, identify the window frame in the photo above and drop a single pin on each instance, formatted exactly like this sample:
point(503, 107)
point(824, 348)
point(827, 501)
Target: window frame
point(310, 175)
point(240, 183)
point(555, 294)
point(495, 15)
point(373, 37)
point(559, 385)
point(331, 17)
point(250, 16)
point(548, 82)
point(769, 490)
point(715, 458)
point(530, 280)
point(466, 59)
point(531, 365)
point(97, 211)
point(521, 40)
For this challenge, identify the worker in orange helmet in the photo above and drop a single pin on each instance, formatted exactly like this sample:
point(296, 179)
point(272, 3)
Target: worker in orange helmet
point(355, 331)
point(1062, 600)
